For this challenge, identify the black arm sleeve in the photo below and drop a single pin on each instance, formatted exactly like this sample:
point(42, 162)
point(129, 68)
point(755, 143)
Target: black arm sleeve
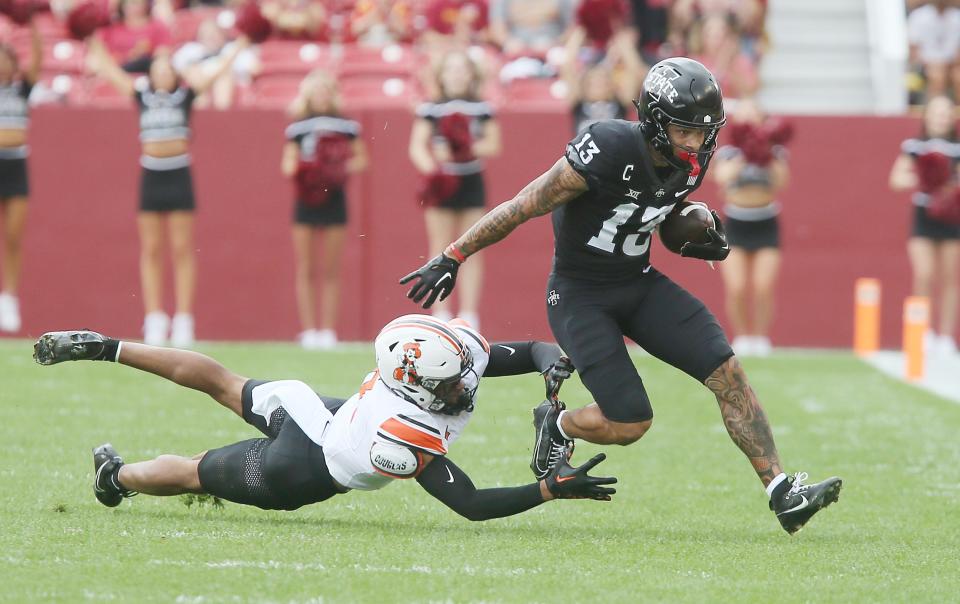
point(448, 483)
point(514, 358)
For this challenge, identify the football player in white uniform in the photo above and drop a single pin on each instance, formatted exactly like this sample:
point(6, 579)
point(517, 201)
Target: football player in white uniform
point(398, 426)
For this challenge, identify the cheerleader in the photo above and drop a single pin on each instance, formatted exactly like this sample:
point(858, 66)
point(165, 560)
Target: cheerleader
point(166, 184)
point(450, 138)
point(323, 149)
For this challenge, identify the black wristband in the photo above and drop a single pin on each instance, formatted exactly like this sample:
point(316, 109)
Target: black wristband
point(109, 352)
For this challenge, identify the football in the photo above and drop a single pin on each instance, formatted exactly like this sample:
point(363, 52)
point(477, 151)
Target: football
point(688, 222)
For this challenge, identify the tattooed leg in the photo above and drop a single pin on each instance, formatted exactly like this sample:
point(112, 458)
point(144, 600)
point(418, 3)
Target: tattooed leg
point(744, 418)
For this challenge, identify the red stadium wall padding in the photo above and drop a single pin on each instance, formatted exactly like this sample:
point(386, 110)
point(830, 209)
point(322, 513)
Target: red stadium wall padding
point(840, 222)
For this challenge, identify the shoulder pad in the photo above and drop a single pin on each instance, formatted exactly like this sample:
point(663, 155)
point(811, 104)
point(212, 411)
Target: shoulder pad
point(395, 461)
point(598, 152)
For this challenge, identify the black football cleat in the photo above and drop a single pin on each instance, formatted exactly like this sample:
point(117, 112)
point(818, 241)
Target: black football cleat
point(798, 505)
point(57, 346)
point(106, 464)
point(550, 447)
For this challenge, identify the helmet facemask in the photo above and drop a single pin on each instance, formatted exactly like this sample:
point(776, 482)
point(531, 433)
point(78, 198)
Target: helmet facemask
point(449, 397)
point(675, 155)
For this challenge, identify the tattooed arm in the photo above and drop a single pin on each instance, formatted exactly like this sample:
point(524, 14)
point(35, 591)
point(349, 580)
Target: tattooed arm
point(555, 187)
point(744, 418)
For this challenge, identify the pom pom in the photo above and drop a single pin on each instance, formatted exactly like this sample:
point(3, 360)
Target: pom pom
point(456, 129)
point(21, 11)
point(779, 131)
point(945, 206)
point(934, 170)
point(600, 18)
point(438, 187)
point(86, 18)
point(252, 23)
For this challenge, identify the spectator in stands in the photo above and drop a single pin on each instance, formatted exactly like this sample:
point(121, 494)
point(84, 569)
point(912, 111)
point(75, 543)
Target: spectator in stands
point(751, 171)
point(650, 21)
point(166, 186)
point(934, 245)
point(323, 149)
point(606, 89)
point(205, 56)
point(136, 37)
point(15, 86)
point(381, 22)
point(455, 24)
point(933, 31)
point(296, 19)
point(715, 43)
point(529, 27)
point(450, 138)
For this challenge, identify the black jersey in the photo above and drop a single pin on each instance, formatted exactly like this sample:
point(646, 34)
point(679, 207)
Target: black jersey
point(14, 109)
point(605, 233)
point(314, 131)
point(586, 113)
point(164, 115)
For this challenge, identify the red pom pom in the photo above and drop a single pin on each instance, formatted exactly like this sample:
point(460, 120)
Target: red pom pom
point(934, 170)
point(456, 129)
point(740, 133)
point(945, 207)
point(21, 11)
point(600, 18)
point(86, 18)
point(779, 131)
point(438, 187)
point(327, 172)
point(252, 23)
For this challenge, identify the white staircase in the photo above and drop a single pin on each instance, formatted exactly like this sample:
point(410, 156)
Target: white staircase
point(834, 57)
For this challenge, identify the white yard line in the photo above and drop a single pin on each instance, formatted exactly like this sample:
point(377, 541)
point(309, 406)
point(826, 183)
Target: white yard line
point(942, 373)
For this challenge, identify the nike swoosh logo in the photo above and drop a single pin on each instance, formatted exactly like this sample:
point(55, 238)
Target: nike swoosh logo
point(449, 473)
point(565, 478)
point(511, 350)
point(441, 279)
point(680, 193)
point(797, 507)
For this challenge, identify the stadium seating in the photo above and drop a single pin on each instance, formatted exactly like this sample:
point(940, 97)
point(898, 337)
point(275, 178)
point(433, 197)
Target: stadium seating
point(289, 57)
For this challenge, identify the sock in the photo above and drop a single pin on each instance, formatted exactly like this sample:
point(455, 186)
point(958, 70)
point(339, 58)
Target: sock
point(774, 488)
point(560, 427)
point(110, 352)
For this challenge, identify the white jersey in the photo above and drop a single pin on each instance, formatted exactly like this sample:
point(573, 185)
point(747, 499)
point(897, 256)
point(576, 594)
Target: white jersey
point(377, 415)
point(372, 418)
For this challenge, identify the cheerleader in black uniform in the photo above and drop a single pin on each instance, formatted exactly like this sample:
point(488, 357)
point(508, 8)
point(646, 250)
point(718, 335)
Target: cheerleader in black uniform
point(605, 88)
point(15, 87)
point(934, 245)
point(751, 179)
point(166, 185)
point(323, 148)
point(449, 140)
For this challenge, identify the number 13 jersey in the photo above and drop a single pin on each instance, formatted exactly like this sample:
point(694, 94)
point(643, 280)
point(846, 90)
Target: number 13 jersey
point(604, 234)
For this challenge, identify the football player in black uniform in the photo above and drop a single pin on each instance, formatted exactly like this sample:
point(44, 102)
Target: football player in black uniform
point(617, 181)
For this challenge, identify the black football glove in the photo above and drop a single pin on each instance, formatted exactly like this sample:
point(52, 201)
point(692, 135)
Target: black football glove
point(567, 482)
point(717, 249)
point(555, 374)
point(436, 278)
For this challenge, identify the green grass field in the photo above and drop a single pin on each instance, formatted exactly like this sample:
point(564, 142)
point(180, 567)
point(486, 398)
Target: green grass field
point(689, 524)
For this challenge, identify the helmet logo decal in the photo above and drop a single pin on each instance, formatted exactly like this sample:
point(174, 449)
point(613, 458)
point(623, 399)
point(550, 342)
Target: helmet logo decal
point(660, 83)
point(407, 371)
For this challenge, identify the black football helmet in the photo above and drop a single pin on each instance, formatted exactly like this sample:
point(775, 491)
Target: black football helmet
point(681, 91)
